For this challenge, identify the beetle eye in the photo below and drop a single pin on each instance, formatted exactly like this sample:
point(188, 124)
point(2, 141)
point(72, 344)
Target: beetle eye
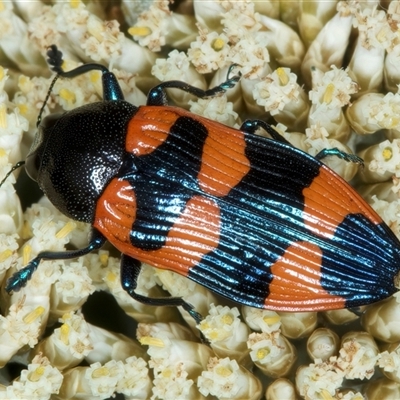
point(34, 157)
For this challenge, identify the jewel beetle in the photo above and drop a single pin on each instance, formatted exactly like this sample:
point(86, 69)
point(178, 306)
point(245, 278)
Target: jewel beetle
point(251, 218)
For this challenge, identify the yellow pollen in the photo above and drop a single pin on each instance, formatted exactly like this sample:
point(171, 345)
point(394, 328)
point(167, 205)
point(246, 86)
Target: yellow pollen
point(262, 353)
point(2, 71)
point(151, 341)
point(2, 6)
point(26, 254)
point(111, 277)
point(24, 83)
point(100, 372)
point(272, 320)
point(381, 36)
point(387, 153)
point(5, 254)
point(3, 153)
point(139, 31)
point(218, 44)
point(33, 315)
point(37, 374)
point(22, 80)
point(328, 93)
point(3, 116)
point(394, 122)
point(227, 319)
point(94, 76)
point(67, 95)
point(23, 109)
point(64, 333)
point(204, 325)
point(213, 335)
point(74, 3)
point(66, 230)
point(66, 316)
point(223, 371)
point(283, 76)
point(104, 259)
point(166, 373)
point(326, 395)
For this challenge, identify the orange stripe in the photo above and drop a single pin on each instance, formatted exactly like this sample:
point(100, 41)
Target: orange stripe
point(149, 128)
point(296, 281)
point(327, 202)
point(195, 233)
point(116, 211)
point(224, 163)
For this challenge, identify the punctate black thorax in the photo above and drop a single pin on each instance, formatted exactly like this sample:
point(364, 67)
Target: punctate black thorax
point(79, 154)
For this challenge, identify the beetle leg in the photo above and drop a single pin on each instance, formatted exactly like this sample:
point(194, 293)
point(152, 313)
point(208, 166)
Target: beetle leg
point(158, 96)
point(252, 125)
point(341, 154)
point(130, 269)
point(21, 277)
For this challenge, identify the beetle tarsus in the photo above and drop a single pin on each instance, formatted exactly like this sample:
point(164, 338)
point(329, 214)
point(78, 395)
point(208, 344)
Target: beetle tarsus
point(21, 278)
point(193, 313)
point(253, 125)
point(230, 82)
point(340, 154)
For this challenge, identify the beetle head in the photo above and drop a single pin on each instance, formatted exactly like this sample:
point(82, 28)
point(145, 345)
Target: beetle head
point(75, 154)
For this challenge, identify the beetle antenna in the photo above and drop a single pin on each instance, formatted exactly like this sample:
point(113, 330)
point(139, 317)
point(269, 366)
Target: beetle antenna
point(13, 168)
point(111, 88)
point(39, 118)
point(55, 60)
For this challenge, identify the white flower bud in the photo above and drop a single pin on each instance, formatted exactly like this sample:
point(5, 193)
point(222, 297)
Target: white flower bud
point(329, 46)
point(225, 379)
point(382, 320)
point(297, 325)
point(281, 389)
point(226, 333)
point(272, 353)
point(322, 344)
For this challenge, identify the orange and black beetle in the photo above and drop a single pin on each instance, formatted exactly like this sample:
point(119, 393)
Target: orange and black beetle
point(250, 218)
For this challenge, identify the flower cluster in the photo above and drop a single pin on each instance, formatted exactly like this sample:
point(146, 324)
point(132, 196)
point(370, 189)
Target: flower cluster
point(305, 71)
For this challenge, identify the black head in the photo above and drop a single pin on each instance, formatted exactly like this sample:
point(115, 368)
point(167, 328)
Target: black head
point(75, 154)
